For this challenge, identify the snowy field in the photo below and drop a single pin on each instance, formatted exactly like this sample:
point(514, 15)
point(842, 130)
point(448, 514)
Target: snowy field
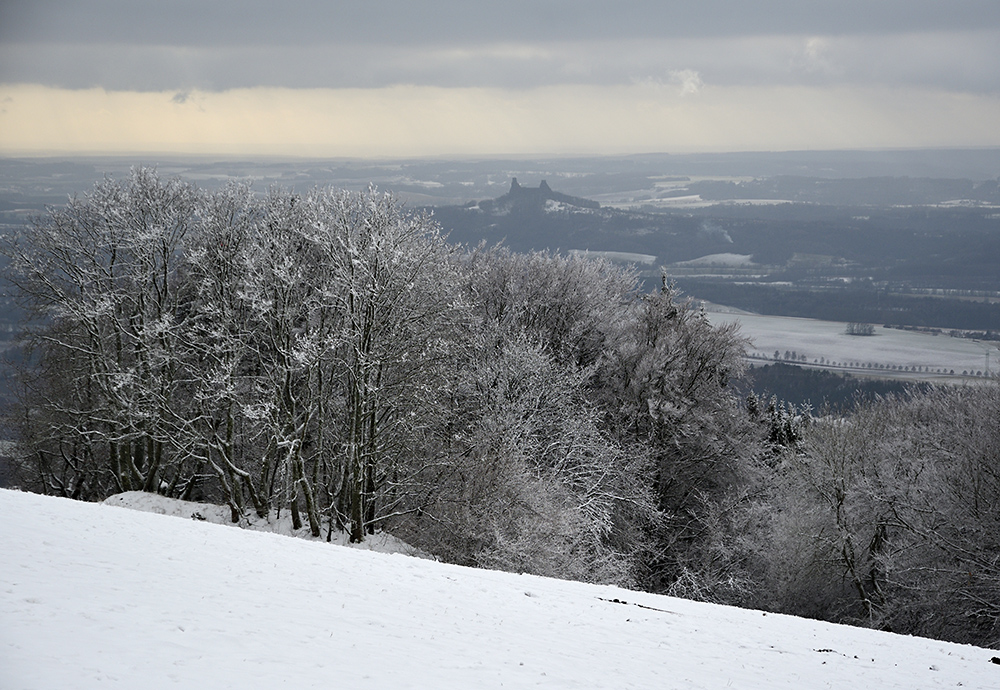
point(96, 596)
point(891, 347)
point(618, 257)
point(637, 201)
point(724, 259)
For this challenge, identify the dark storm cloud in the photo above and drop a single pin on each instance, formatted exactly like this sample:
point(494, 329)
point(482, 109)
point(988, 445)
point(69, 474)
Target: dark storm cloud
point(145, 45)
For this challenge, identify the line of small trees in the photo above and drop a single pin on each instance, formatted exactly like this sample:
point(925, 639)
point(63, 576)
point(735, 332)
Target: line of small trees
point(793, 356)
point(855, 328)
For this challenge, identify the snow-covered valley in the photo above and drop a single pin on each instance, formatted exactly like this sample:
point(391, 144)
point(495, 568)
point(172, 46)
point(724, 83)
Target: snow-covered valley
point(99, 596)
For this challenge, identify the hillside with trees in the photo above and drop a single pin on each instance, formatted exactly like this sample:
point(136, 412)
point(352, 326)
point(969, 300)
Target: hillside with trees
point(330, 356)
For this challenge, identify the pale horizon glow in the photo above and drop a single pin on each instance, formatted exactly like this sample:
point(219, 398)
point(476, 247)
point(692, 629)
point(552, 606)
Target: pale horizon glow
point(681, 114)
point(439, 78)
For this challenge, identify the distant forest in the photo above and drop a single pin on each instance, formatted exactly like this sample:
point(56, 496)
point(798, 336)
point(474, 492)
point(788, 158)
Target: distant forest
point(865, 303)
point(817, 390)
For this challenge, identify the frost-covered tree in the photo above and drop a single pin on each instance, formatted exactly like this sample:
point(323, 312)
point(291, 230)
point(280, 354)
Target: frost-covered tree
point(940, 481)
point(526, 479)
point(888, 517)
point(575, 308)
point(831, 528)
point(337, 325)
point(530, 482)
point(100, 278)
point(223, 347)
point(664, 389)
point(393, 291)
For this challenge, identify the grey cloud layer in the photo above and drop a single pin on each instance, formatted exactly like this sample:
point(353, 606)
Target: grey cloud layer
point(182, 45)
point(293, 22)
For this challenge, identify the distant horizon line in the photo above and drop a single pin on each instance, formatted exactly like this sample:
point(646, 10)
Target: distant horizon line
point(221, 155)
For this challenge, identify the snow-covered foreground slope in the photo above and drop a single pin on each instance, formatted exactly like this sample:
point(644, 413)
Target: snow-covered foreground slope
point(96, 596)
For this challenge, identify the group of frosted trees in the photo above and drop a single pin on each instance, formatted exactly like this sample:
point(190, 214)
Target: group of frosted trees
point(889, 517)
point(222, 340)
point(329, 356)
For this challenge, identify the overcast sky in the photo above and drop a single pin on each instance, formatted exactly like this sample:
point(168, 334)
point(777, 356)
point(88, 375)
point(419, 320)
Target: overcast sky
point(440, 77)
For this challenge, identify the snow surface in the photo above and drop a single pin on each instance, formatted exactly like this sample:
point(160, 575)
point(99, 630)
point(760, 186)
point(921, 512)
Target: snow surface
point(828, 339)
point(724, 259)
point(94, 596)
point(621, 257)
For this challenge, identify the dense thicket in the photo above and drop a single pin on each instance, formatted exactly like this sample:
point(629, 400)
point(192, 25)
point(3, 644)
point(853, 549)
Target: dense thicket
point(888, 517)
point(328, 354)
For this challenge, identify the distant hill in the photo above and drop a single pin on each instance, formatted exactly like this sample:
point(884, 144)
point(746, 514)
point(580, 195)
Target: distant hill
point(532, 198)
point(539, 218)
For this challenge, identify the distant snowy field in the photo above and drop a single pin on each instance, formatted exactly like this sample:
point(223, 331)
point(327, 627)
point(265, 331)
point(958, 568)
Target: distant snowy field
point(889, 346)
point(724, 259)
point(618, 257)
point(97, 596)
